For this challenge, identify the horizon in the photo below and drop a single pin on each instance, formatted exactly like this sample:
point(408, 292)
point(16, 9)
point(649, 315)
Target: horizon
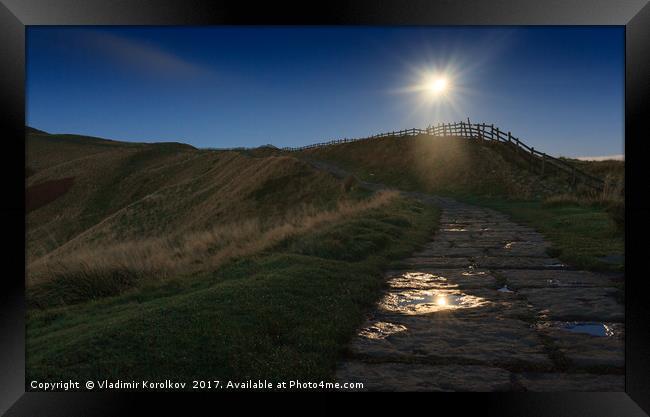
point(272, 85)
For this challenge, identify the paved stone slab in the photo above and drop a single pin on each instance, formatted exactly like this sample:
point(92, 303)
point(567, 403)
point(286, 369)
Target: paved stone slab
point(489, 340)
point(450, 252)
point(481, 244)
point(419, 377)
point(520, 262)
point(438, 262)
point(598, 304)
point(492, 262)
point(520, 249)
point(557, 278)
point(586, 350)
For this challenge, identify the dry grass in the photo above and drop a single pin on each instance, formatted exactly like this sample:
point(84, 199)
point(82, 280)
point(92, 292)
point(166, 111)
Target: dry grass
point(613, 193)
point(106, 270)
point(611, 198)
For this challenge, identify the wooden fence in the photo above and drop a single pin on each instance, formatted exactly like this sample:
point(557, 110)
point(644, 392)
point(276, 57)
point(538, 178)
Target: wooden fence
point(539, 161)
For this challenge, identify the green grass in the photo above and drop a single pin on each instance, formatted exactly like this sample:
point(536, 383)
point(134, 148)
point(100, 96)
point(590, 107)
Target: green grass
point(579, 234)
point(285, 313)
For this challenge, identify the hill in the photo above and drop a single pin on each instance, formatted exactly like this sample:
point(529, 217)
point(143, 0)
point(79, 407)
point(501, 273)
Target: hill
point(136, 205)
point(442, 165)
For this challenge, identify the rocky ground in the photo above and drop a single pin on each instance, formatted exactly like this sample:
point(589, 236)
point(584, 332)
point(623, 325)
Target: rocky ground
point(483, 308)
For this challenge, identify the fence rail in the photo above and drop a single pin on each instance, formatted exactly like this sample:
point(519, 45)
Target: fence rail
point(539, 161)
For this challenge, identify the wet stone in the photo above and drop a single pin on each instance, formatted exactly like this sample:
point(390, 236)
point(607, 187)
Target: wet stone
point(440, 262)
point(520, 262)
point(588, 350)
point(484, 244)
point(419, 377)
point(586, 304)
point(488, 340)
point(451, 252)
point(557, 278)
point(453, 237)
point(381, 330)
point(519, 249)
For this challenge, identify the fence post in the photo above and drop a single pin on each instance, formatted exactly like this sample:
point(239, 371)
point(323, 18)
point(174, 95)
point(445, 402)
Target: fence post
point(509, 137)
point(498, 137)
point(532, 157)
point(444, 130)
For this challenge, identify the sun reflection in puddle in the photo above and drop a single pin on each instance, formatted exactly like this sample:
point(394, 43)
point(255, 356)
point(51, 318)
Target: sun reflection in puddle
point(381, 330)
point(420, 280)
point(423, 302)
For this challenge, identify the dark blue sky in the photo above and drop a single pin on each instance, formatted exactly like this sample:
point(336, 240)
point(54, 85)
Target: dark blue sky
point(559, 89)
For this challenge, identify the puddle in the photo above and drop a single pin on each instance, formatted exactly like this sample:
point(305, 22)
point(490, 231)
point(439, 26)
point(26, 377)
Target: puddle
point(423, 302)
point(505, 289)
point(592, 328)
point(573, 283)
point(473, 273)
point(420, 280)
point(456, 229)
point(381, 330)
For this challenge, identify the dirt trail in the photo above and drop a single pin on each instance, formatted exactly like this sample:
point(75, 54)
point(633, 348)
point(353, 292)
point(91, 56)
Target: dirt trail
point(482, 307)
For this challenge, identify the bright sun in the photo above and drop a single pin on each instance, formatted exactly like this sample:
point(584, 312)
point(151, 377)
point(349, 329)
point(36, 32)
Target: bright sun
point(438, 85)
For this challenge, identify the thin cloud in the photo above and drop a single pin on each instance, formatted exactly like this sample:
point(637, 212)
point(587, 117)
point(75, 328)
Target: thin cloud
point(616, 157)
point(145, 57)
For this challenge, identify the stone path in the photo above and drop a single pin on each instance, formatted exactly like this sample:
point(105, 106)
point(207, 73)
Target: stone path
point(482, 307)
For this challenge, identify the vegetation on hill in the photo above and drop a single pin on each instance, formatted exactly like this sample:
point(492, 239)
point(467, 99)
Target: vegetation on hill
point(445, 165)
point(284, 313)
point(161, 260)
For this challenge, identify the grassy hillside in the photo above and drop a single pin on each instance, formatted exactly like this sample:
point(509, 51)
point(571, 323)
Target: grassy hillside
point(286, 312)
point(440, 165)
point(140, 207)
point(161, 260)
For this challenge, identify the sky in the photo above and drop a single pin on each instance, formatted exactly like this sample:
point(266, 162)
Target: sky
point(559, 89)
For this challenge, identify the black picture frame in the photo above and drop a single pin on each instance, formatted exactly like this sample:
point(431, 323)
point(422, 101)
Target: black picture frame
point(15, 15)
